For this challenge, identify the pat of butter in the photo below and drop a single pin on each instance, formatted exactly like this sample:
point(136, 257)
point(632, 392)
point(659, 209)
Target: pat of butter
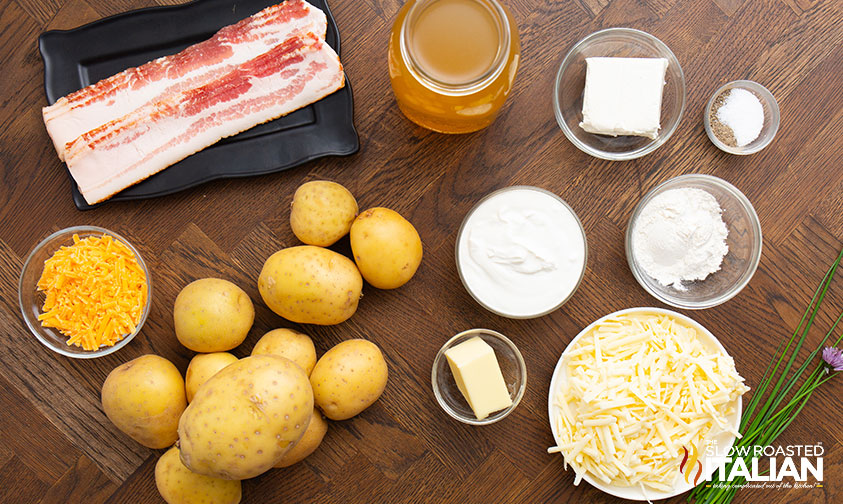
point(479, 377)
point(623, 96)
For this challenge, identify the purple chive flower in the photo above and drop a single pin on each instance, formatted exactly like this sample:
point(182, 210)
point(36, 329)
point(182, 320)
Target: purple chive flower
point(833, 357)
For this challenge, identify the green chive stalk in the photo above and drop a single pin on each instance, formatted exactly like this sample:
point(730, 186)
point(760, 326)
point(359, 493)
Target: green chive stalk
point(764, 426)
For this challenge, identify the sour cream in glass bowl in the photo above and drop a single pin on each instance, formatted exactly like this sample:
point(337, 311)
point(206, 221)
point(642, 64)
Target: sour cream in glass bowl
point(521, 252)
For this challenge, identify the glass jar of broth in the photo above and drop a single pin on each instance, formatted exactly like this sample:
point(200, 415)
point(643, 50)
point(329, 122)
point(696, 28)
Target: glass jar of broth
point(452, 62)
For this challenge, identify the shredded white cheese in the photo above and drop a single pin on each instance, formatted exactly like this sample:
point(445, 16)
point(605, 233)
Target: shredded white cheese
point(638, 389)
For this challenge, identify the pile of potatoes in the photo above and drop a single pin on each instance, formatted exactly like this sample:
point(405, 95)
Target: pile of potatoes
point(310, 284)
point(231, 419)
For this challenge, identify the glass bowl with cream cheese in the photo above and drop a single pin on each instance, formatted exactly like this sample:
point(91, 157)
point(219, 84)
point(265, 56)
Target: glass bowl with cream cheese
point(521, 252)
point(694, 241)
point(572, 86)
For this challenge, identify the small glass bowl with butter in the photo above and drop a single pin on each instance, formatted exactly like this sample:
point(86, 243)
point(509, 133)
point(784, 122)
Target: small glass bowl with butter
point(639, 98)
point(448, 393)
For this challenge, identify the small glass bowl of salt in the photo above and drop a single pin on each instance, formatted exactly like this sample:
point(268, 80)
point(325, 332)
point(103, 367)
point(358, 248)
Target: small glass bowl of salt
point(741, 117)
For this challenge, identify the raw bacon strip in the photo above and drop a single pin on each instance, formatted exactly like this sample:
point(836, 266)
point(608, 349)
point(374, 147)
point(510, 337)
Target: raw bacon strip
point(125, 151)
point(116, 96)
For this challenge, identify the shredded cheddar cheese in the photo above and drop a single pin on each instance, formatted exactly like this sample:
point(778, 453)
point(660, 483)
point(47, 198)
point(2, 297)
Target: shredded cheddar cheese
point(95, 292)
point(642, 390)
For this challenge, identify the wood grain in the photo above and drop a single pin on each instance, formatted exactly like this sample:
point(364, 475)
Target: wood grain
point(83, 482)
point(57, 445)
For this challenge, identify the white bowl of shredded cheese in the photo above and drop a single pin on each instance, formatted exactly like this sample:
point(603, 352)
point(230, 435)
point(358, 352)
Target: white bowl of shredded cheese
point(634, 394)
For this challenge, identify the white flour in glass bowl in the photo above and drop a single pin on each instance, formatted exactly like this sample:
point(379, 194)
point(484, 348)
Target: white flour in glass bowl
point(680, 236)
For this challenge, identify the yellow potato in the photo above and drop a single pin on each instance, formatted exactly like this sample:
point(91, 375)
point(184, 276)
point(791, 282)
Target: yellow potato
point(212, 315)
point(202, 367)
point(311, 440)
point(310, 285)
point(386, 248)
point(245, 418)
point(322, 212)
point(290, 344)
point(179, 485)
point(348, 378)
point(144, 398)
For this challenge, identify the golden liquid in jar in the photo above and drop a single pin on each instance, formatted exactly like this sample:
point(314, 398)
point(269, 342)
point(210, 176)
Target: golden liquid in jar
point(452, 62)
point(455, 41)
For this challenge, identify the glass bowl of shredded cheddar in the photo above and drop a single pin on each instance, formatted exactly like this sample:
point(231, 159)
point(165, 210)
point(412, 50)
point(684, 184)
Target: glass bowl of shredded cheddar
point(84, 292)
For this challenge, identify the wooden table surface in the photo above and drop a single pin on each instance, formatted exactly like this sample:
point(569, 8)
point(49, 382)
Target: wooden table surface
point(57, 445)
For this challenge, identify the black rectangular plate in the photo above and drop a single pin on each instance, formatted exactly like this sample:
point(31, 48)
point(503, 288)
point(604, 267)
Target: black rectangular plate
point(76, 58)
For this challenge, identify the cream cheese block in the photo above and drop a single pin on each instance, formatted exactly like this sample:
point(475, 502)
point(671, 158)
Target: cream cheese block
point(479, 377)
point(623, 96)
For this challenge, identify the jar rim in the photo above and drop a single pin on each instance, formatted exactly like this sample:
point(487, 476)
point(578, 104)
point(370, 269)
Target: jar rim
point(493, 72)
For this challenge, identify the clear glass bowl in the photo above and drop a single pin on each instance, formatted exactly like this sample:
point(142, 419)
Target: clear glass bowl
point(512, 365)
point(744, 242)
point(570, 82)
point(472, 289)
point(31, 299)
point(771, 118)
point(724, 439)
